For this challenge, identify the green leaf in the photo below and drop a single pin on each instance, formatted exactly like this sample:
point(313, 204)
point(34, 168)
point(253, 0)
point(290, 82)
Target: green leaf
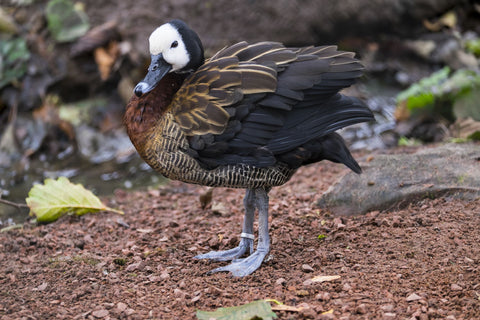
point(422, 93)
point(259, 309)
point(442, 90)
point(406, 142)
point(7, 24)
point(473, 46)
point(14, 56)
point(66, 21)
point(466, 106)
point(54, 198)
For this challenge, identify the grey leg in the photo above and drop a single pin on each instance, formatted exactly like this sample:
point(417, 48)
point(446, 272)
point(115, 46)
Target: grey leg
point(244, 267)
point(246, 241)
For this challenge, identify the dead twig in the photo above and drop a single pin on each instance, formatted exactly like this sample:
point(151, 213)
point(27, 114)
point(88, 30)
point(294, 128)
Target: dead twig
point(13, 204)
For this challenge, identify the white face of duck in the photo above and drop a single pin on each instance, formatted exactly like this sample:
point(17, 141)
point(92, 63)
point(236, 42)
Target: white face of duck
point(168, 50)
point(166, 40)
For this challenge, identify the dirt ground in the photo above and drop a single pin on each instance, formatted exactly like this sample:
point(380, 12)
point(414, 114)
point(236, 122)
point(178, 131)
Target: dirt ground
point(418, 262)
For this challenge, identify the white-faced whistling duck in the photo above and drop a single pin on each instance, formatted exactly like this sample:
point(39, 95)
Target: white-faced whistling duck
point(248, 117)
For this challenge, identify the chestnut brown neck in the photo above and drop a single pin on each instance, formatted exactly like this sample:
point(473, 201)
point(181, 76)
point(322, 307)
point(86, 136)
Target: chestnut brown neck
point(142, 113)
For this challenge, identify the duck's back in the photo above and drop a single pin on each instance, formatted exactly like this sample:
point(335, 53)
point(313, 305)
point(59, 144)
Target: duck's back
point(250, 116)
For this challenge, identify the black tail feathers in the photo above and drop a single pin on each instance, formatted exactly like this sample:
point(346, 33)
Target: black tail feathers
point(330, 147)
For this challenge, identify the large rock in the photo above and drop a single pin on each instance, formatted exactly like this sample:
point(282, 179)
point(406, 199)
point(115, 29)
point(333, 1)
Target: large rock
point(398, 179)
point(295, 22)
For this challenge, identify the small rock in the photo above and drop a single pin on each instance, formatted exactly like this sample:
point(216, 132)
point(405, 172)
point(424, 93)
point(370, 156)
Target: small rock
point(100, 313)
point(361, 309)
point(323, 296)
point(153, 278)
point(389, 316)
point(121, 306)
point(164, 275)
point(346, 287)
point(134, 266)
point(196, 298)
point(178, 293)
point(182, 284)
point(220, 208)
point(387, 307)
point(455, 287)
point(450, 317)
point(413, 297)
point(42, 287)
point(468, 260)
point(280, 281)
point(307, 282)
point(129, 311)
point(306, 311)
point(396, 221)
point(339, 223)
point(307, 268)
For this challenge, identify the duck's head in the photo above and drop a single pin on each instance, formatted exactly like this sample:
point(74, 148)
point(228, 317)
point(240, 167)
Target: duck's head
point(174, 47)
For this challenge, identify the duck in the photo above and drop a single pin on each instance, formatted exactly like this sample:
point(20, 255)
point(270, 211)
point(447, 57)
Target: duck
point(247, 117)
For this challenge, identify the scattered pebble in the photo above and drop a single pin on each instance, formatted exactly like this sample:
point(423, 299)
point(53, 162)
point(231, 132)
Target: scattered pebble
point(413, 297)
point(100, 313)
point(135, 266)
point(456, 287)
point(179, 293)
point(129, 311)
point(387, 307)
point(196, 298)
point(361, 309)
point(468, 260)
point(307, 268)
point(154, 278)
point(42, 287)
point(121, 306)
point(346, 287)
point(307, 282)
point(164, 275)
point(306, 311)
point(323, 296)
point(280, 281)
point(220, 208)
point(389, 316)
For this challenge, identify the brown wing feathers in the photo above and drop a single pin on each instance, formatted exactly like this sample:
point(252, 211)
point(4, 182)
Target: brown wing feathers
point(250, 102)
point(198, 106)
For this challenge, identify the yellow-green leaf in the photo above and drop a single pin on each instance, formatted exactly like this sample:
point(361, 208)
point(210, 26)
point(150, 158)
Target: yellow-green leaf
point(54, 198)
point(259, 309)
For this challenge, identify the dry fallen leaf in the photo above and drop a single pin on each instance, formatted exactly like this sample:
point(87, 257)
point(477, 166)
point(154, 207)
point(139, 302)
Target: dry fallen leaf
point(284, 307)
point(105, 57)
point(324, 278)
point(448, 20)
point(95, 38)
point(206, 198)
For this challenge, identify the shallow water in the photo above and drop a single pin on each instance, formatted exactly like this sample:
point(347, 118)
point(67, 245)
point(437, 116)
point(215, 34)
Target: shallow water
point(102, 179)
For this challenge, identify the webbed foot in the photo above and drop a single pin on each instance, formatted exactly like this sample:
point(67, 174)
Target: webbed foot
point(244, 267)
point(227, 255)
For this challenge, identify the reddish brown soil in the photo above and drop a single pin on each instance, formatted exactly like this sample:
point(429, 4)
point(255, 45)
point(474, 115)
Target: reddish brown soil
point(421, 262)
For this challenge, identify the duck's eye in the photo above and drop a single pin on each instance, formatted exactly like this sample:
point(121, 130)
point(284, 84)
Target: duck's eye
point(174, 44)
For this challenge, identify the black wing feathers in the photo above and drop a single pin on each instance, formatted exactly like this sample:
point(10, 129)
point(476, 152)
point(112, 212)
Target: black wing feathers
point(292, 121)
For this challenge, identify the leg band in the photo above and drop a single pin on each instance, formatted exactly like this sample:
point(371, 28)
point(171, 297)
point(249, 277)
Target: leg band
point(247, 235)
